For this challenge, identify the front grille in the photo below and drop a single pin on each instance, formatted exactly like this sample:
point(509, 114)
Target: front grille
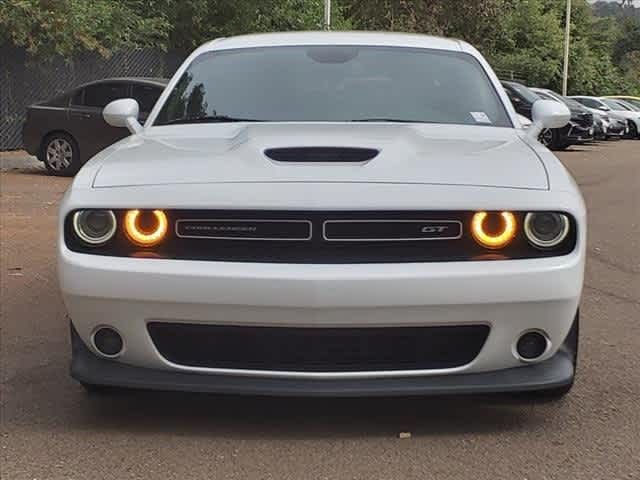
point(318, 349)
point(318, 237)
point(585, 120)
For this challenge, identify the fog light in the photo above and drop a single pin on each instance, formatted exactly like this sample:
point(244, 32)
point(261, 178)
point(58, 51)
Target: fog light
point(546, 229)
point(531, 345)
point(108, 342)
point(146, 229)
point(495, 230)
point(94, 227)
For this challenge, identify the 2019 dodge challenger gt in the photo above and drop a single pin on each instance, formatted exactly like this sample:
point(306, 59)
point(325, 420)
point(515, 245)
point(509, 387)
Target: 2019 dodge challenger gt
point(326, 213)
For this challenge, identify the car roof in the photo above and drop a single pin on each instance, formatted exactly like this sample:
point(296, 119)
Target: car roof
point(159, 82)
point(391, 39)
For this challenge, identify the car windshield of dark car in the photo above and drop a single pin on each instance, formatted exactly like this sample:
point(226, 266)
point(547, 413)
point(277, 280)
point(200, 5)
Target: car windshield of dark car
point(547, 96)
point(529, 95)
point(334, 84)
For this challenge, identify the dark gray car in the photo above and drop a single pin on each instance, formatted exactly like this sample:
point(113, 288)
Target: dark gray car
point(68, 130)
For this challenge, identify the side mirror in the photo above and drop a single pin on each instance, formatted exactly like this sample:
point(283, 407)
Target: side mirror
point(123, 113)
point(547, 114)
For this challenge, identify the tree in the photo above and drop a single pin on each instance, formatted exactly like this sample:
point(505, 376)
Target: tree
point(68, 26)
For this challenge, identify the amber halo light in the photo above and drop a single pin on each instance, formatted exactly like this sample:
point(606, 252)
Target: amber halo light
point(494, 238)
point(148, 235)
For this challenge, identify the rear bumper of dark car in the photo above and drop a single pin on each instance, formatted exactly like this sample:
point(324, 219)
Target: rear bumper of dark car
point(86, 367)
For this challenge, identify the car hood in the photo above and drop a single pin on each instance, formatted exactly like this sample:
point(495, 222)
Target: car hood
point(420, 154)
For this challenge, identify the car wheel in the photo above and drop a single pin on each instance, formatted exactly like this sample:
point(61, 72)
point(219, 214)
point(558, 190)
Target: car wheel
point(60, 154)
point(570, 347)
point(546, 138)
point(633, 130)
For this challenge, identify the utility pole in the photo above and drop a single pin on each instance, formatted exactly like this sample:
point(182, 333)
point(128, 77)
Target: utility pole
point(327, 14)
point(567, 39)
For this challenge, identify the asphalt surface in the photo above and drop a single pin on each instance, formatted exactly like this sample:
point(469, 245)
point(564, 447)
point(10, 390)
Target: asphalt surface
point(51, 429)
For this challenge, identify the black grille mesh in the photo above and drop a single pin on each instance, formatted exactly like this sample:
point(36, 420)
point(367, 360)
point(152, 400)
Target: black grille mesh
point(318, 349)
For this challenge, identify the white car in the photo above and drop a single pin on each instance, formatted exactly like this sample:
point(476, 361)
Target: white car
point(326, 214)
point(613, 108)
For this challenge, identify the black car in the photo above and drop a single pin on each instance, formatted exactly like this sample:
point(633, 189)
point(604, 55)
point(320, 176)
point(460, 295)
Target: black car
point(523, 99)
point(68, 130)
point(581, 127)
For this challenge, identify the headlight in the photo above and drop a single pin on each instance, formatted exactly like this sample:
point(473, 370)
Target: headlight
point(495, 230)
point(94, 227)
point(145, 229)
point(546, 229)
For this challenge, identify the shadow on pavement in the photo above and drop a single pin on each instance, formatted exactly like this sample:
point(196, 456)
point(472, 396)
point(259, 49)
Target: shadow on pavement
point(275, 417)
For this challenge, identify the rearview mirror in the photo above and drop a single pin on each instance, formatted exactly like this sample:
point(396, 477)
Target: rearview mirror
point(123, 113)
point(547, 114)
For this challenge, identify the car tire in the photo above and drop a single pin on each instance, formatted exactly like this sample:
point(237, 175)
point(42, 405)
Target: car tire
point(570, 347)
point(551, 139)
point(547, 138)
point(633, 130)
point(60, 154)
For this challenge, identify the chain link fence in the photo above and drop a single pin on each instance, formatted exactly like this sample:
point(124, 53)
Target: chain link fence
point(25, 80)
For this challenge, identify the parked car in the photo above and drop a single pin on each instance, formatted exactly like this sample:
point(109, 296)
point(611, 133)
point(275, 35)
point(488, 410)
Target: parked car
point(377, 223)
point(581, 127)
point(612, 107)
point(523, 99)
point(626, 104)
point(69, 129)
point(608, 125)
point(628, 99)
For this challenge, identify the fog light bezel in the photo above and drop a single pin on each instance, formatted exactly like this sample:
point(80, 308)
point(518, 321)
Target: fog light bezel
point(95, 345)
point(545, 244)
point(516, 353)
point(88, 240)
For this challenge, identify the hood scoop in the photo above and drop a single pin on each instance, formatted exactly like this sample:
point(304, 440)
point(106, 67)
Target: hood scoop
point(321, 154)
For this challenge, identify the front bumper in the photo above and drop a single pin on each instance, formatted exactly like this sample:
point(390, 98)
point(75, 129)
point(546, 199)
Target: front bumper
point(86, 367)
point(578, 133)
point(510, 296)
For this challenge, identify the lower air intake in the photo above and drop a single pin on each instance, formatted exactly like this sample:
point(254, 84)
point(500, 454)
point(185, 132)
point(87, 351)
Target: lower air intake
point(318, 349)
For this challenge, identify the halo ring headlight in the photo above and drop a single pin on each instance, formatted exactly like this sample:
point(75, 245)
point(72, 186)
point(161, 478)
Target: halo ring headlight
point(94, 227)
point(494, 240)
point(546, 229)
point(144, 237)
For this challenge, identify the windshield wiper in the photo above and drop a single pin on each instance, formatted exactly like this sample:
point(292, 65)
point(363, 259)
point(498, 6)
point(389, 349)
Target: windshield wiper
point(211, 119)
point(391, 120)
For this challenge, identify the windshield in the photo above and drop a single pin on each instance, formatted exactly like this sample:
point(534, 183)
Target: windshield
point(546, 96)
point(612, 104)
point(628, 105)
point(633, 101)
point(334, 84)
point(529, 95)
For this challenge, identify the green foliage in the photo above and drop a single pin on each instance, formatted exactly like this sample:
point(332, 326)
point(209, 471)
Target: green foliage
point(68, 26)
point(522, 36)
point(197, 21)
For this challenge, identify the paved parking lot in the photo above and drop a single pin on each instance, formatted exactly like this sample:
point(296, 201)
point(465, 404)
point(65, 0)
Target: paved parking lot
point(52, 430)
